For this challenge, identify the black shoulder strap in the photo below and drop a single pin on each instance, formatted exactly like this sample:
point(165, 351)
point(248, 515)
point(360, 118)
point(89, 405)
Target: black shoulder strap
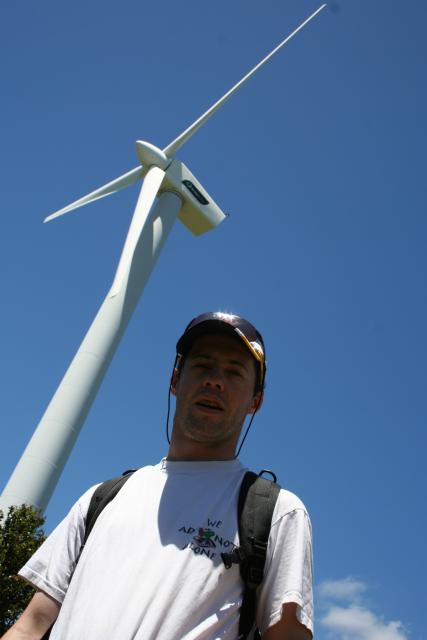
point(257, 499)
point(101, 497)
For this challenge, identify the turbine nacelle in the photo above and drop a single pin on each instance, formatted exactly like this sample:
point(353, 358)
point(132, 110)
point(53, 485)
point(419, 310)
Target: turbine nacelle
point(199, 213)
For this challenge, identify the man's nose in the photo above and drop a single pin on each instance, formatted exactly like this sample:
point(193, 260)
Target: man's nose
point(214, 378)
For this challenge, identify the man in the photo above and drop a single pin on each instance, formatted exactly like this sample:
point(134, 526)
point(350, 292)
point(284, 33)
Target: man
point(152, 567)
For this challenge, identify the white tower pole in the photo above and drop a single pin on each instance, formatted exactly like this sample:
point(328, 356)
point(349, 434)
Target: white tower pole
point(46, 454)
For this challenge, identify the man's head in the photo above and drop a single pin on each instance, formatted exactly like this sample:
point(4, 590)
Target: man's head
point(218, 380)
point(217, 322)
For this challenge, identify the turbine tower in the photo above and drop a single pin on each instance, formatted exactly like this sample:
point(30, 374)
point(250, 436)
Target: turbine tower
point(169, 190)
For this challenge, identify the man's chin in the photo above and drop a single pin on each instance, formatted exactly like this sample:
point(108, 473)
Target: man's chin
point(215, 433)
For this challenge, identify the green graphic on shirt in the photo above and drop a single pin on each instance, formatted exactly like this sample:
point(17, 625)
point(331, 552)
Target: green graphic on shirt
point(204, 539)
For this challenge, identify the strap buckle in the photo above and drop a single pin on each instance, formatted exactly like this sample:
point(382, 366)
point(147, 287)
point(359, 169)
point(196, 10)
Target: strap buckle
point(237, 556)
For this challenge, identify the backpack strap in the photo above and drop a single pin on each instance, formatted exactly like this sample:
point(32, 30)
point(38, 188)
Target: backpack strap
point(257, 499)
point(101, 497)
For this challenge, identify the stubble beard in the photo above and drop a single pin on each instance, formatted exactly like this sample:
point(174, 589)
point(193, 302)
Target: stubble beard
point(205, 431)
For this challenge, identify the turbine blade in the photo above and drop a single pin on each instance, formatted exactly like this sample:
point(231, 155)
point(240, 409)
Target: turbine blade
point(176, 144)
point(150, 187)
point(115, 185)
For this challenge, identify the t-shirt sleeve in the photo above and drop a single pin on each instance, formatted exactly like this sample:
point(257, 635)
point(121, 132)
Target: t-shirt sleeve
point(51, 567)
point(288, 573)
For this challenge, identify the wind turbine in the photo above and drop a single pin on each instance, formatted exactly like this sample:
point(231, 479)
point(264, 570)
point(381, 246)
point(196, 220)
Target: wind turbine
point(175, 192)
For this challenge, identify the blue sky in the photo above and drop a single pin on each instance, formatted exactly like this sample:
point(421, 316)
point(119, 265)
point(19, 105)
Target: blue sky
point(320, 160)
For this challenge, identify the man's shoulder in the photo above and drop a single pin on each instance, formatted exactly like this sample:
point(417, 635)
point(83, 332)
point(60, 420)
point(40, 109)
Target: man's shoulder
point(287, 503)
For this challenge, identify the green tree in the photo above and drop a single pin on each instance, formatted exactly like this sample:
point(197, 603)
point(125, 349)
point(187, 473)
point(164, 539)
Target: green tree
point(21, 534)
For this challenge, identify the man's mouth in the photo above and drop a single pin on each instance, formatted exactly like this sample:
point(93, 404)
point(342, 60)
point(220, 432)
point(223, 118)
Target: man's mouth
point(209, 405)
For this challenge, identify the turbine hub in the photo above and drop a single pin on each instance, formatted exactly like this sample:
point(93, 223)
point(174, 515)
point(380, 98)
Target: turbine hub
point(149, 155)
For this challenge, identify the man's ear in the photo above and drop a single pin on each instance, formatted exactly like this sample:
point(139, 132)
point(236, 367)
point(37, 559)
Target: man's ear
point(257, 401)
point(174, 380)
point(175, 373)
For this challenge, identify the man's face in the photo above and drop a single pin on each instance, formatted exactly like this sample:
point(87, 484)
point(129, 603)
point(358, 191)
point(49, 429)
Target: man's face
point(214, 393)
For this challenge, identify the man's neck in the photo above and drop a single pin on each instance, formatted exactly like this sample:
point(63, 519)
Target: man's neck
point(198, 454)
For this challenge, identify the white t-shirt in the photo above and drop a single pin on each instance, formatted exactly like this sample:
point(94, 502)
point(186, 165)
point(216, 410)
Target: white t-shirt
point(152, 569)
